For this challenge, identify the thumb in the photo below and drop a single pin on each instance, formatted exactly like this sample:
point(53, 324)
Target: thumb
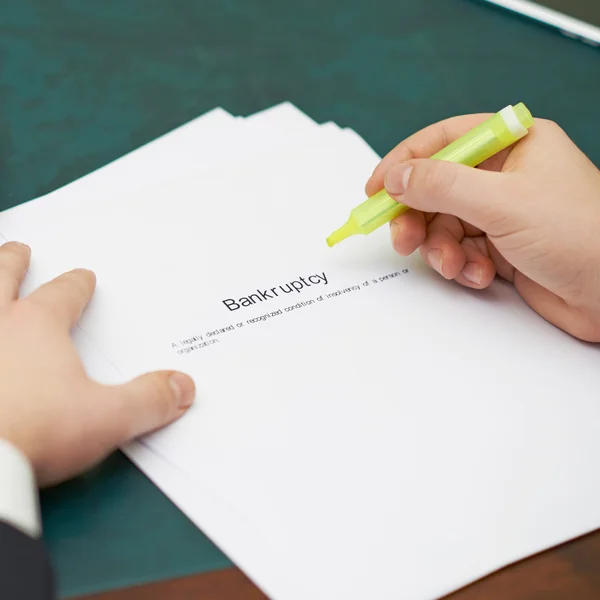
point(474, 195)
point(146, 404)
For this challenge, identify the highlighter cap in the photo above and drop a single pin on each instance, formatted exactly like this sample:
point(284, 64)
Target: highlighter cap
point(524, 116)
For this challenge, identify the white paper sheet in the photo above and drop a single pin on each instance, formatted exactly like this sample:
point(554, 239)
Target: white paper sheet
point(393, 440)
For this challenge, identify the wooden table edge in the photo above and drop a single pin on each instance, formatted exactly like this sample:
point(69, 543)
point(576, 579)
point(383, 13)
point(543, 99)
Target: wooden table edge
point(570, 571)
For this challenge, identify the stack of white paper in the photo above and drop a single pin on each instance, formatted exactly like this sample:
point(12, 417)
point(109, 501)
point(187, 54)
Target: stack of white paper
point(363, 429)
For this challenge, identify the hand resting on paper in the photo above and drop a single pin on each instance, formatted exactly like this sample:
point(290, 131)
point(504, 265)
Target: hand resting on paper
point(49, 409)
point(530, 215)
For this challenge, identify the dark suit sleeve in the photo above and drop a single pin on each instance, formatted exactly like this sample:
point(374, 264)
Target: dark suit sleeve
point(25, 572)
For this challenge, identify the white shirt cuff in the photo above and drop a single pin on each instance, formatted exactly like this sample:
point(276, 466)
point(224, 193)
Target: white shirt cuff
point(19, 503)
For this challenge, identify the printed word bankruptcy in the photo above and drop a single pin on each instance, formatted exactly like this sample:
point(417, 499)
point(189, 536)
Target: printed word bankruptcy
point(275, 292)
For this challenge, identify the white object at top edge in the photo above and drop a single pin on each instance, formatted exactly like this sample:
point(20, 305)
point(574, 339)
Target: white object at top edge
point(565, 23)
point(509, 116)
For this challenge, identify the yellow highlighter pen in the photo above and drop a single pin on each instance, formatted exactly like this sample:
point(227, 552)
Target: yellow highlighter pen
point(484, 141)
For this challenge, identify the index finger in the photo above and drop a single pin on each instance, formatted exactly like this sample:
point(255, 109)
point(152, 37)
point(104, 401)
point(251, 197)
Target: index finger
point(65, 297)
point(14, 261)
point(424, 144)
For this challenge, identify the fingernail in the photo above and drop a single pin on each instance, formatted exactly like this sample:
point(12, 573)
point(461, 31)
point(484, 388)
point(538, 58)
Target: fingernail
point(472, 272)
point(183, 387)
point(434, 258)
point(397, 178)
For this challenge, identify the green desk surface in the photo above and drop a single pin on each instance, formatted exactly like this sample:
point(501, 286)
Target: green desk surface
point(82, 83)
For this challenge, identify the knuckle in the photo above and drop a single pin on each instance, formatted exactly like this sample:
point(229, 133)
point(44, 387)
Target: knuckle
point(34, 312)
point(402, 152)
point(436, 180)
point(551, 127)
point(9, 277)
